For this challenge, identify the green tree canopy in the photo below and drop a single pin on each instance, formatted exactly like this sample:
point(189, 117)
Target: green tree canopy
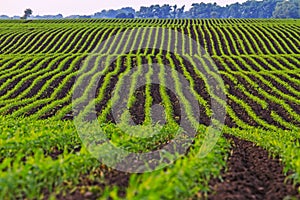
point(27, 13)
point(287, 9)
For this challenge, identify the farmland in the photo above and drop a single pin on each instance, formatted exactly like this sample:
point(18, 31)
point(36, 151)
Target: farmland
point(49, 68)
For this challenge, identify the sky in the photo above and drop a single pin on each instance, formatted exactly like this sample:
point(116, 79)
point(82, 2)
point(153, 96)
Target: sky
point(88, 7)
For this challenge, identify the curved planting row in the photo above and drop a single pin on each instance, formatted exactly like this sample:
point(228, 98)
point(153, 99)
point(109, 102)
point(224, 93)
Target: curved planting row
point(261, 89)
point(49, 67)
point(218, 37)
point(42, 87)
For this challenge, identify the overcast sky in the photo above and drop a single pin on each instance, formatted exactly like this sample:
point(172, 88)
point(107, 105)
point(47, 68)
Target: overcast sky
point(88, 7)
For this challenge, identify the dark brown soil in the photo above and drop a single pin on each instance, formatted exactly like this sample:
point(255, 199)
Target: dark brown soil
point(251, 175)
point(240, 38)
point(199, 86)
point(47, 42)
point(79, 39)
point(39, 41)
point(103, 177)
point(62, 44)
point(259, 111)
point(292, 84)
point(292, 62)
point(14, 74)
point(55, 40)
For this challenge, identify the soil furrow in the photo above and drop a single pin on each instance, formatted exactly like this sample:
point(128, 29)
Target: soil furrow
point(251, 174)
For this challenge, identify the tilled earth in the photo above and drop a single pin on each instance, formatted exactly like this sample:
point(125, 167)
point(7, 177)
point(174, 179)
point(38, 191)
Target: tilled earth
point(251, 175)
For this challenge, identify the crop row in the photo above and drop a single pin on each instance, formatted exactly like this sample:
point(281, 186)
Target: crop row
point(151, 21)
point(48, 155)
point(127, 71)
point(236, 39)
point(43, 87)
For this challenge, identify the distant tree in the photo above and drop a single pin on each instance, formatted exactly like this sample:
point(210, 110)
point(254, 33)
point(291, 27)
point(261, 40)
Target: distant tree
point(165, 11)
point(247, 9)
point(233, 10)
point(145, 12)
point(155, 11)
point(59, 16)
point(84, 17)
point(114, 13)
point(213, 14)
point(174, 11)
point(27, 13)
point(125, 16)
point(178, 12)
point(266, 8)
point(130, 15)
point(287, 9)
point(126, 10)
point(121, 15)
point(4, 17)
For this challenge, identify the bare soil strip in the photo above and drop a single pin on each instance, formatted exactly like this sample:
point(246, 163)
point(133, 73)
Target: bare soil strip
point(251, 175)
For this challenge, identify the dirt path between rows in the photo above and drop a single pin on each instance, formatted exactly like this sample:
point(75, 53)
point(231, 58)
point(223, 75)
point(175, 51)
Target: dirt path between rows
point(251, 175)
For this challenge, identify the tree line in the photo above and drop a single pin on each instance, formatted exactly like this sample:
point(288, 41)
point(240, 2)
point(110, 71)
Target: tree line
point(248, 9)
